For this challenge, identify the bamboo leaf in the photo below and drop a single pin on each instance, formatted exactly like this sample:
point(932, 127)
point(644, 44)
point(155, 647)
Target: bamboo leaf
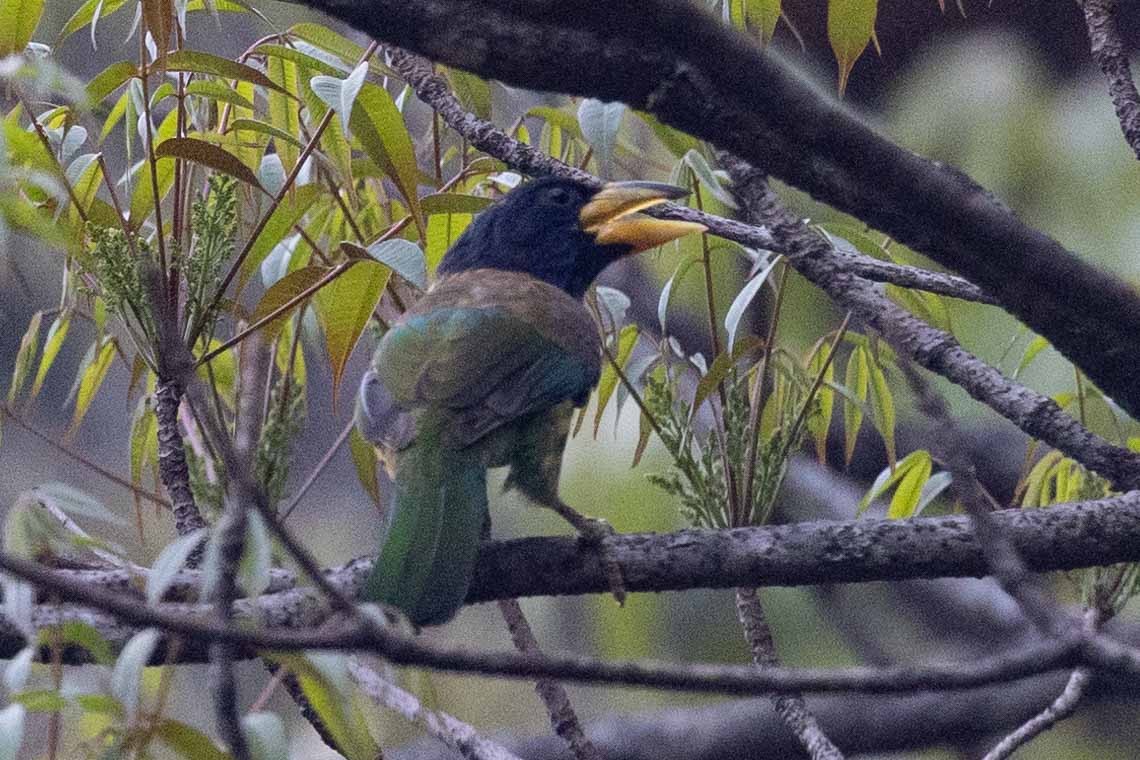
point(904, 503)
point(216, 91)
point(89, 13)
point(187, 742)
point(705, 175)
point(108, 80)
point(403, 257)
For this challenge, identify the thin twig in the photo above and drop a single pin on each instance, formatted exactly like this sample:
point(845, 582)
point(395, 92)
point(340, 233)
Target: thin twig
point(563, 719)
point(789, 706)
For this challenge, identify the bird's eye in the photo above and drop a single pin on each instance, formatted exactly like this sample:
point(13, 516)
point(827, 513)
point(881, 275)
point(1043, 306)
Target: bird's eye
point(559, 196)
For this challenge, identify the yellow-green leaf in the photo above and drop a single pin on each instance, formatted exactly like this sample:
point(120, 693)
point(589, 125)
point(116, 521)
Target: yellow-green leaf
point(909, 490)
point(213, 90)
point(265, 128)
point(344, 307)
point(187, 741)
point(95, 371)
point(292, 207)
point(86, 14)
point(108, 80)
point(380, 128)
point(850, 26)
point(763, 15)
point(205, 63)
point(56, 334)
point(857, 379)
point(288, 288)
point(20, 19)
point(364, 461)
point(442, 231)
point(282, 110)
point(883, 409)
point(28, 345)
point(627, 339)
point(202, 152)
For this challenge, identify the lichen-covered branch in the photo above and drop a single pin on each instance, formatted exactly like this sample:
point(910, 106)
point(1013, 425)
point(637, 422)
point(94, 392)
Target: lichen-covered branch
point(1111, 56)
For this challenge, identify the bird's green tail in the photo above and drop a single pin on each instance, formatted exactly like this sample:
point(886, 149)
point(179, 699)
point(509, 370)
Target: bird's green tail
point(440, 508)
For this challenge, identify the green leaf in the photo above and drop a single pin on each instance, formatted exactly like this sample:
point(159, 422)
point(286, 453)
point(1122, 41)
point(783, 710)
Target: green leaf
point(883, 409)
point(719, 369)
point(850, 26)
point(675, 140)
point(857, 379)
point(380, 128)
point(142, 197)
point(442, 231)
point(454, 203)
point(206, 63)
point(667, 291)
point(257, 560)
point(170, 562)
point(126, 676)
point(340, 94)
point(705, 175)
point(40, 700)
point(108, 80)
point(344, 307)
point(211, 156)
point(21, 17)
point(144, 439)
point(187, 741)
point(11, 731)
point(265, 735)
point(100, 704)
point(222, 93)
point(891, 475)
point(364, 462)
point(325, 683)
point(288, 288)
point(288, 213)
point(89, 13)
point(74, 502)
point(627, 339)
point(403, 257)
point(95, 369)
point(1035, 347)
point(473, 92)
point(328, 40)
point(600, 123)
point(763, 15)
point(301, 59)
point(24, 356)
point(819, 422)
point(265, 128)
point(932, 489)
point(910, 487)
point(857, 237)
point(744, 298)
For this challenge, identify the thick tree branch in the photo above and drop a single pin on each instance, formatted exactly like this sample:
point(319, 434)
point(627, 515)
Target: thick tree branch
point(1110, 54)
point(671, 58)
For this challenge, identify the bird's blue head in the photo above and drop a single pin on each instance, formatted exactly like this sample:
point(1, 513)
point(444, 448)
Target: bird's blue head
point(565, 233)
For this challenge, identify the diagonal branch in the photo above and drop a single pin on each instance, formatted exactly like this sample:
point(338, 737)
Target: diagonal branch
point(1110, 54)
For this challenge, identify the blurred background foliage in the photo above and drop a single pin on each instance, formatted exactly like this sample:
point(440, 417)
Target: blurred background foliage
point(1006, 94)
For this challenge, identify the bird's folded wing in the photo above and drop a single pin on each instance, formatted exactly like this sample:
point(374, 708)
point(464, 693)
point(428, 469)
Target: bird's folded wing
point(485, 365)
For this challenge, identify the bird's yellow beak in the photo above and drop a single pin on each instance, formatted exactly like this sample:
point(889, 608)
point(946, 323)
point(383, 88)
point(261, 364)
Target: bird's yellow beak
point(611, 215)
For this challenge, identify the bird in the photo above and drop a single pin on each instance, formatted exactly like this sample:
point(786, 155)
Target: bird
point(486, 369)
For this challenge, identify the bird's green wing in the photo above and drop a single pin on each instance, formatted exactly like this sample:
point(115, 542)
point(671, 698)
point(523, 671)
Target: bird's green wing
point(484, 366)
